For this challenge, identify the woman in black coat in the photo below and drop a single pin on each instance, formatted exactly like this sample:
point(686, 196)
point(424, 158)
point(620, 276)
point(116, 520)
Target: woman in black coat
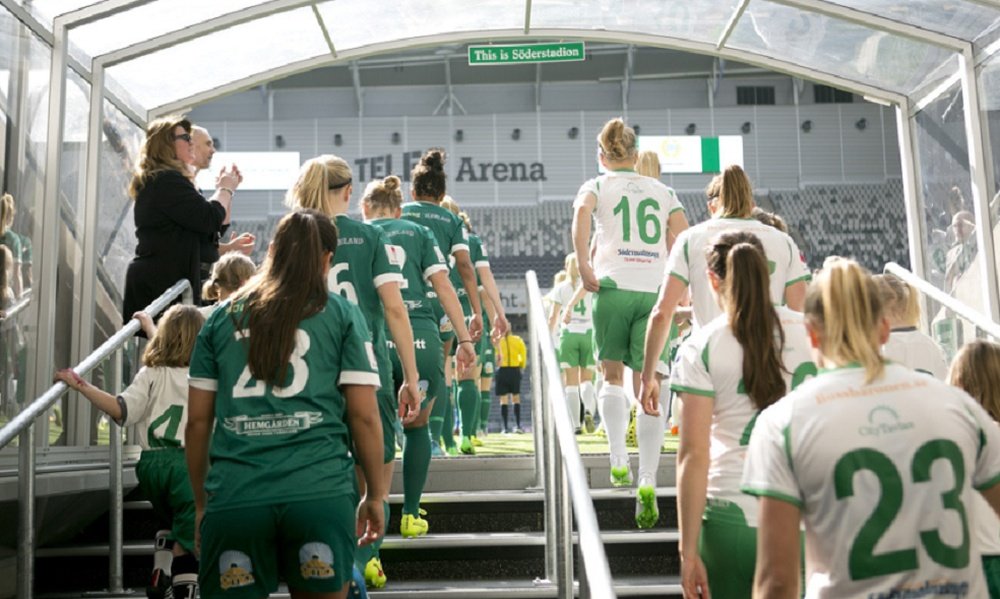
point(176, 227)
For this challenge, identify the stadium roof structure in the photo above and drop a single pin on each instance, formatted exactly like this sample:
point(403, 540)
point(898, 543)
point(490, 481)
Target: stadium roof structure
point(152, 57)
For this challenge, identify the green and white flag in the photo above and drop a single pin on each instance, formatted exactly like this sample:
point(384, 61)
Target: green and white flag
point(693, 153)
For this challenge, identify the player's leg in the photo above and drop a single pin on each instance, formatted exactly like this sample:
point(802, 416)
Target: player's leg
point(570, 363)
point(417, 452)
point(649, 429)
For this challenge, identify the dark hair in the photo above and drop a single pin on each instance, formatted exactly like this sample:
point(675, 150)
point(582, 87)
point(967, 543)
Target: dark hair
point(290, 288)
point(738, 260)
point(428, 176)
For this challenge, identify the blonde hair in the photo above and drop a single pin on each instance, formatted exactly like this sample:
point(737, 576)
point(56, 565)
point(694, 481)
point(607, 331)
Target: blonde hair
point(318, 176)
point(572, 269)
point(448, 203)
point(383, 195)
point(618, 141)
point(648, 164)
point(173, 342)
point(899, 300)
point(228, 274)
point(844, 306)
point(734, 191)
point(559, 277)
point(157, 153)
point(976, 369)
point(6, 212)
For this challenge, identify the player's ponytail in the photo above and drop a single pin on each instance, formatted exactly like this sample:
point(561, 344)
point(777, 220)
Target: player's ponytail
point(735, 193)
point(572, 269)
point(428, 176)
point(738, 260)
point(383, 195)
point(290, 288)
point(844, 307)
point(317, 177)
point(618, 141)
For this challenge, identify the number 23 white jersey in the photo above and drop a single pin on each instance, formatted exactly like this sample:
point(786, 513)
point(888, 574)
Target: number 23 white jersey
point(631, 229)
point(884, 475)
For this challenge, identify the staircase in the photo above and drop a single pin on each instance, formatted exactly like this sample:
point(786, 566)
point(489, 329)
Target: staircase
point(487, 538)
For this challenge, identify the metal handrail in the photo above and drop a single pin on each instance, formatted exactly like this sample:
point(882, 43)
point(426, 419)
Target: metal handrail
point(567, 489)
point(10, 314)
point(23, 425)
point(956, 306)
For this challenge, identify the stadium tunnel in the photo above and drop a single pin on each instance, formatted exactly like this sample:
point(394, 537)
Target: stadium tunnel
point(80, 79)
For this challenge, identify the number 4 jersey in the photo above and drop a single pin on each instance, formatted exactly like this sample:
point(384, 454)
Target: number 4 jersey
point(631, 229)
point(156, 401)
point(884, 474)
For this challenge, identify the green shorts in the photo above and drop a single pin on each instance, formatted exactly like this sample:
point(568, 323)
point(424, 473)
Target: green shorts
point(163, 478)
point(430, 365)
point(388, 402)
point(728, 548)
point(576, 350)
point(991, 568)
point(620, 319)
point(309, 544)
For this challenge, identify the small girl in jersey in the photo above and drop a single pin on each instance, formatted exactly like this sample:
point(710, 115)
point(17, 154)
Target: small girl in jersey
point(908, 345)
point(229, 273)
point(573, 308)
point(881, 463)
point(976, 369)
point(156, 402)
point(726, 373)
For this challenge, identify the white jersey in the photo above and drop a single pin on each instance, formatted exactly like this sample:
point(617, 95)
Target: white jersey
point(156, 401)
point(581, 319)
point(884, 475)
point(915, 350)
point(687, 261)
point(710, 364)
point(631, 228)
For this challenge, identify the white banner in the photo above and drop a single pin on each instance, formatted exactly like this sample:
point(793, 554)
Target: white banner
point(514, 295)
point(262, 171)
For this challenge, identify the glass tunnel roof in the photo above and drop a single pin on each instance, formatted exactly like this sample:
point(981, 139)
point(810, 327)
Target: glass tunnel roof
point(886, 49)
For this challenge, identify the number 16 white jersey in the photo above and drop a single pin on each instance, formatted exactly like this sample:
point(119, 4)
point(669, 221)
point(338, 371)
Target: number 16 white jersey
point(884, 475)
point(631, 229)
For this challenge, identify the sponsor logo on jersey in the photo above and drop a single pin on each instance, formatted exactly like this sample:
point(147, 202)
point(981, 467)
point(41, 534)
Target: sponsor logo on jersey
point(397, 255)
point(883, 420)
point(928, 588)
point(350, 241)
point(235, 570)
point(272, 424)
point(316, 561)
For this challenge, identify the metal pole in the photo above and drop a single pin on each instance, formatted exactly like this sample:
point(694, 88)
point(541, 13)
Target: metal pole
point(980, 186)
point(584, 584)
point(565, 530)
point(534, 363)
point(115, 515)
point(26, 514)
point(912, 196)
point(553, 469)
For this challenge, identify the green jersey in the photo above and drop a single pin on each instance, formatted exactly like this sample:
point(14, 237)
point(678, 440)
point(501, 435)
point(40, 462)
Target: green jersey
point(276, 444)
point(448, 229)
point(477, 254)
point(413, 246)
point(361, 265)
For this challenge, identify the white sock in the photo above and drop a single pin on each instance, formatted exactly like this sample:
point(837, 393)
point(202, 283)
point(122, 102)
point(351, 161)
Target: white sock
point(666, 400)
point(649, 430)
point(163, 554)
point(573, 402)
point(589, 396)
point(615, 414)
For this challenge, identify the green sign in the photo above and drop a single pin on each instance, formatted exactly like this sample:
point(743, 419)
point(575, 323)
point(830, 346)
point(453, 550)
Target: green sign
point(526, 53)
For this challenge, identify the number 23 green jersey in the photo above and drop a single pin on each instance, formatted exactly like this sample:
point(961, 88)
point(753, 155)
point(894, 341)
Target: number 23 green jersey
point(884, 474)
point(278, 444)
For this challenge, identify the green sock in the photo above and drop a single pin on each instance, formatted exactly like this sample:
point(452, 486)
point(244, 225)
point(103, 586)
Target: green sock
point(468, 404)
point(416, 462)
point(485, 402)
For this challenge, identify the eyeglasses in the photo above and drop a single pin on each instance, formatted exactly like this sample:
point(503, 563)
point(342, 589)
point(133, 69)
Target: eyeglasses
point(185, 136)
